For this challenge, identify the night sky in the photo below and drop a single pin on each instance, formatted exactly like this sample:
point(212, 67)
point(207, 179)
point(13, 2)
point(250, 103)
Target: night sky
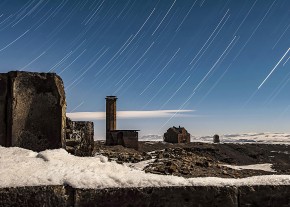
point(225, 62)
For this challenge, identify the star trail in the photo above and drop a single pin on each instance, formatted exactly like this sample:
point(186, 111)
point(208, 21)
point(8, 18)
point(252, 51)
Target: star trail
point(226, 61)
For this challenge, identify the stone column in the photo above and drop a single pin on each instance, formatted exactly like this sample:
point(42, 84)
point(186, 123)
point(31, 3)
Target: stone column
point(111, 122)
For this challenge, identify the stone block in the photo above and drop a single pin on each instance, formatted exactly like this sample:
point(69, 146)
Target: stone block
point(37, 196)
point(36, 111)
point(162, 196)
point(130, 140)
point(264, 195)
point(80, 137)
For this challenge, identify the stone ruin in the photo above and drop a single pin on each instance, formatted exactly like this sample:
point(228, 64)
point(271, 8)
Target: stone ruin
point(127, 138)
point(216, 138)
point(33, 114)
point(32, 110)
point(80, 137)
point(177, 135)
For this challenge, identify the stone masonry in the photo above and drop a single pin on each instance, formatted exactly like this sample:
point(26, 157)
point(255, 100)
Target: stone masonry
point(80, 137)
point(32, 110)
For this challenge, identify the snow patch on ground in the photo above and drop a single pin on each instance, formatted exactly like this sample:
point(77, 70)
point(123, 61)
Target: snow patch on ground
point(264, 167)
point(151, 137)
point(139, 165)
point(20, 167)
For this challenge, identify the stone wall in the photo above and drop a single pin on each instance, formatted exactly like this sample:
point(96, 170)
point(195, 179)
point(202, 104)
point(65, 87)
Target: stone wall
point(32, 110)
point(3, 109)
point(80, 137)
point(227, 196)
point(127, 138)
point(130, 139)
point(37, 196)
point(177, 135)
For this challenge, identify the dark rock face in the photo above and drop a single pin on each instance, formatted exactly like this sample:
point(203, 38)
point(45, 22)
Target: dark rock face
point(80, 137)
point(37, 196)
point(35, 110)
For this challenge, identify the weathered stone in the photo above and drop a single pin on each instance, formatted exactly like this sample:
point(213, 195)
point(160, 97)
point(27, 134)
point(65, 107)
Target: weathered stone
point(80, 137)
point(37, 196)
point(35, 111)
point(163, 196)
point(3, 96)
point(177, 135)
point(216, 138)
point(263, 195)
point(127, 138)
point(228, 196)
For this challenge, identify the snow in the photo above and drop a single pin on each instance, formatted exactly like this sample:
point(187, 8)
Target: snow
point(20, 167)
point(264, 167)
point(139, 165)
point(260, 138)
point(151, 137)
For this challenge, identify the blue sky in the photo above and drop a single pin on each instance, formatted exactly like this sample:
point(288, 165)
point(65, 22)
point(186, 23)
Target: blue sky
point(226, 60)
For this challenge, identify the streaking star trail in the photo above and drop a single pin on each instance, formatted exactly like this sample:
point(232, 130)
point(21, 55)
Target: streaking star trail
point(225, 61)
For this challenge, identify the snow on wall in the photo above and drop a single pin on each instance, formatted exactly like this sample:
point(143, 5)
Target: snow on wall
point(20, 167)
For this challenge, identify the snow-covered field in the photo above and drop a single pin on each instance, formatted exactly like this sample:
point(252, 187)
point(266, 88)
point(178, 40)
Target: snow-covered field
point(21, 167)
point(262, 138)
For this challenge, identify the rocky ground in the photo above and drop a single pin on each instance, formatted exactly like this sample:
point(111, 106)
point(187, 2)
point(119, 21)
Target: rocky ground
point(200, 159)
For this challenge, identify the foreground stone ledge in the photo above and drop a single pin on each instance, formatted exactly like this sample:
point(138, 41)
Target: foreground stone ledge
point(153, 196)
point(224, 196)
point(264, 195)
point(37, 196)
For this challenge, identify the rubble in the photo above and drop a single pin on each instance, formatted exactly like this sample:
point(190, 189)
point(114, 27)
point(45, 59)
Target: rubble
point(80, 137)
point(194, 159)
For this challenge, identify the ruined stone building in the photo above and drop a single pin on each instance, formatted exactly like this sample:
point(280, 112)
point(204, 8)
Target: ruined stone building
point(32, 110)
point(80, 137)
point(33, 115)
point(127, 138)
point(177, 135)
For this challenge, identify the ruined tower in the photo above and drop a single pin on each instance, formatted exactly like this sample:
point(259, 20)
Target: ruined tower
point(128, 137)
point(111, 122)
